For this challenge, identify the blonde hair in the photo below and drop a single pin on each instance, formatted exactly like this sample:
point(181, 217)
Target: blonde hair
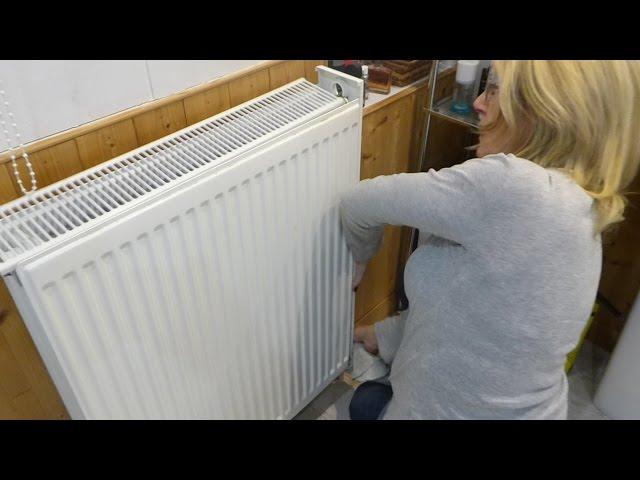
point(579, 116)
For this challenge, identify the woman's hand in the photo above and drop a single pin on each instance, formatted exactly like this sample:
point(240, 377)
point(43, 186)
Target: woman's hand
point(367, 336)
point(358, 274)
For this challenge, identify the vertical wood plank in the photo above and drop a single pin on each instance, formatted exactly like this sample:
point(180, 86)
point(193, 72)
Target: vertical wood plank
point(12, 380)
point(246, 88)
point(106, 143)
point(160, 122)
point(606, 329)
point(386, 149)
point(310, 69)
point(620, 280)
point(51, 165)
point(27, 406)
point(28, 360)
point(8, 190)
point(286, 72)
point(206, 104)
point(278, 75)
point(296, 69)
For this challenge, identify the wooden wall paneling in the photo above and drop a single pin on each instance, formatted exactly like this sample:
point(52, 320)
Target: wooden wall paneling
point(251, 86)
point(620, 280)
point(447, 144)
point(12, 380)
point(382, 310)
point(286, 72)
point(310, 69)
point(606, 328)
point(50, 165)
point(27, 406)
point(158, 123)
point(106, 143)
point(206, 104)
point(420, 107)
point(8, 189)
point(22, 358)
point(445, 84)
point(386, 149)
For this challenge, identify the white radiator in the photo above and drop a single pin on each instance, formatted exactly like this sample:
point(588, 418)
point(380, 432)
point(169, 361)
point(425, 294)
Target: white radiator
point(202, 276)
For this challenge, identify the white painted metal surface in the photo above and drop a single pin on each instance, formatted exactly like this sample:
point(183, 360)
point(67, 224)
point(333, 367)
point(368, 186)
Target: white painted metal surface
point(69, 207)
point(202, 276)
point(618, 395)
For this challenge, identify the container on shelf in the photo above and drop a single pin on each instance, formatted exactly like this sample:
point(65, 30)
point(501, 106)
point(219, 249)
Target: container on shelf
point(464, 92)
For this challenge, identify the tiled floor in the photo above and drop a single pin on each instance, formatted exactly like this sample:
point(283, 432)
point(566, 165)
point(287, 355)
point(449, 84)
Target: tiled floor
point(333, 402)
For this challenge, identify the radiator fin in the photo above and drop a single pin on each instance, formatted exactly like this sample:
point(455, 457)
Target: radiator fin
point(33, 222)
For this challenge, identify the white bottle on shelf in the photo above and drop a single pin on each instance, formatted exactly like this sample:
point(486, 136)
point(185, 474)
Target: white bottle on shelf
point(464, 91)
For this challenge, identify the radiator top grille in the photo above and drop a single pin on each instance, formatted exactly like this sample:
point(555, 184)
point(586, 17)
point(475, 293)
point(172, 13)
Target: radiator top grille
point(32, 222)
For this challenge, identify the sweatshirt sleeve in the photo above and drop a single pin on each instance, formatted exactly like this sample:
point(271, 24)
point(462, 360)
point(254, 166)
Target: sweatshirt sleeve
point(448, 203)
point(389, 334)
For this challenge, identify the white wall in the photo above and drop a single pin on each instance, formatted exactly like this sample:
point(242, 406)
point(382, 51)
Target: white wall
point(49, 96)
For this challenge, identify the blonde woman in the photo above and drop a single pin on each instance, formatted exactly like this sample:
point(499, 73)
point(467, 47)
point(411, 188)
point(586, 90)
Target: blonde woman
point(508, 263)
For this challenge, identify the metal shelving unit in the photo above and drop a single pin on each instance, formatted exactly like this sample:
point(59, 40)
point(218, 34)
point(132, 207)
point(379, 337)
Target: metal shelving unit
point(443, 110)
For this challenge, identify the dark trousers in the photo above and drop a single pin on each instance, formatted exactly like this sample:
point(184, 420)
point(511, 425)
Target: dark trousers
point(369, 400)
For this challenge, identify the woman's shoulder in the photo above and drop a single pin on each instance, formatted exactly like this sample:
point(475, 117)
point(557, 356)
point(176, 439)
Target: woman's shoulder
point(523, 181)
point(505, 172)
point(505, 164)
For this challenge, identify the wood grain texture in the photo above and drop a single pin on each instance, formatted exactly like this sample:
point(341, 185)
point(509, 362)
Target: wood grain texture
point(310, 69)
point(206, 104)
point(381, 311)
point(8, 189)
point(286, 72)
point(620, 280)
point(106, 143)
point(51, 165)
point(28, 373)
point(606, 329)
point(447, 144)
point(158, 123)
point(249, 87)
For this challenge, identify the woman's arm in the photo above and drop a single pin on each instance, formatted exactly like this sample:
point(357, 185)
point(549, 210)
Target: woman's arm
point(389, 334)
point(448, 203)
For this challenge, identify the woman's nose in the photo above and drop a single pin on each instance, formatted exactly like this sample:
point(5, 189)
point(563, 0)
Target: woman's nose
point(479, 105)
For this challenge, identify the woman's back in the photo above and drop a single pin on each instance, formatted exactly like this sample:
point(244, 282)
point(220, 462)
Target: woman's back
point(493, 313)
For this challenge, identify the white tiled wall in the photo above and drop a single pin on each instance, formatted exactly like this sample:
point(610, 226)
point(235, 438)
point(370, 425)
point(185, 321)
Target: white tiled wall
point(49, 96)
point(170, 76)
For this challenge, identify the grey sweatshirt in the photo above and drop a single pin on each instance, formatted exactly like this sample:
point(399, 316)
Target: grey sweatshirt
point(500, 287)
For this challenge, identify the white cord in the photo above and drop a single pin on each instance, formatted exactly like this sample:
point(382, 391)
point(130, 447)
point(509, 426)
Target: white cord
point(10, 118)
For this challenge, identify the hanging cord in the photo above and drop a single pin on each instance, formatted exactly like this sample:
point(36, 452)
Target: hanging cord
point(10, 119)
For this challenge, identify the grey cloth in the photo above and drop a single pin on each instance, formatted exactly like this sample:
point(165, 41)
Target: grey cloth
point(500, 287)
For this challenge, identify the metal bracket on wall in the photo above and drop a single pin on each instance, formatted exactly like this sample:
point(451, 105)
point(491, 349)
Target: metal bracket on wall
point(340, 84)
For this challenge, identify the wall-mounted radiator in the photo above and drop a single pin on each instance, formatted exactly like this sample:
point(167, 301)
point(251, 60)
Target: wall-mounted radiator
point(204, 275)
